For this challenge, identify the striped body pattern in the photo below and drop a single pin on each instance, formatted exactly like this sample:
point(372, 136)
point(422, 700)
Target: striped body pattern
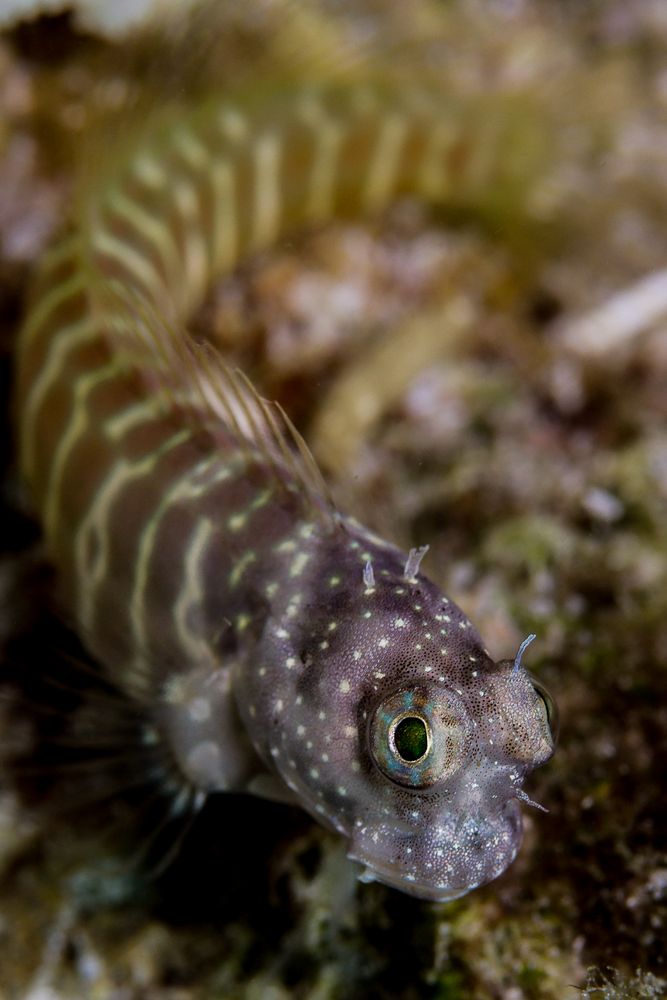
point(278, 647)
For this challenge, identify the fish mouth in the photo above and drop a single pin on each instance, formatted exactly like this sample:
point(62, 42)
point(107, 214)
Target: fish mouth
point(421, 890)
point(442, 861)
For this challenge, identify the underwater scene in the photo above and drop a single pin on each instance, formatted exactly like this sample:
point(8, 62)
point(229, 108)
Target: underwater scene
point(333, 506)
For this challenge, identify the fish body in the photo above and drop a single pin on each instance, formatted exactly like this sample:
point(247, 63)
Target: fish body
point(277, 646)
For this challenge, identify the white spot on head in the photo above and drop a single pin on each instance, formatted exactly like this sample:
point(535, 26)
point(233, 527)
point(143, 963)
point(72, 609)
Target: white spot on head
point(344, 686)
point(383, 643)
point(288, 545)
point(290, 662)
point(300, 730)
point(279, 705)
point(299, 564)
point(350, 731)
point(356, 654)
point(399, 623)
point(236, 522)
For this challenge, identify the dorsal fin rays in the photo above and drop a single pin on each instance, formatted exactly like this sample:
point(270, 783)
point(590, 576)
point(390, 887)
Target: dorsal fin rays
point(195, 381)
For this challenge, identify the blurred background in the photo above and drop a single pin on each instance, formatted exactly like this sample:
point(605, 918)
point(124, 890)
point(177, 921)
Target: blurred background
point(490, 379)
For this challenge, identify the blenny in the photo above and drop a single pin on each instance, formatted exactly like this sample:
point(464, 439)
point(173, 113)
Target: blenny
point(276, 645)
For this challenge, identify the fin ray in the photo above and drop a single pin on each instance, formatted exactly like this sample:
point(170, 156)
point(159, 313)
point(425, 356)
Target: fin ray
point(199, 384)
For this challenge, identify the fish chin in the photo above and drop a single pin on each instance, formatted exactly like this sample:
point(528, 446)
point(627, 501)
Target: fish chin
point(441, 861)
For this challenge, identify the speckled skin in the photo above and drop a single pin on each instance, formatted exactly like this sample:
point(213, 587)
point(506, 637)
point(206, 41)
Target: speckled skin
point(275, 646)
point(314, 711)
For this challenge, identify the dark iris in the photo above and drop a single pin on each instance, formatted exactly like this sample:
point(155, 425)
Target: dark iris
point(411, 738)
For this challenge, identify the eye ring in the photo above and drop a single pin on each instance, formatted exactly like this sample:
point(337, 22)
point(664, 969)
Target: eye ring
point(417, 740)
point(401, 737)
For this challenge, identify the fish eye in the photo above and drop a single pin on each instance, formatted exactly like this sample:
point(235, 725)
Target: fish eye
point(410, 738)
point(549, 705)
point(416, 740)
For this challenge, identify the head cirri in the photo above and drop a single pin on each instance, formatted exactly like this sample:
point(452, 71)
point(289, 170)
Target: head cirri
point(389, 722)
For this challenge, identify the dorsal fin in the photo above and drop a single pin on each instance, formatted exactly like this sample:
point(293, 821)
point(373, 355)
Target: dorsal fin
point(196, 382)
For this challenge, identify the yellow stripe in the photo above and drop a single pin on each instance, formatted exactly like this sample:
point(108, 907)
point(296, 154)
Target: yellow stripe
point(320, 194)
point(192, 593)
point(154, 230)
point(432, 176)
point(225, 222)
point(57, 254)
point(117, 426)
point(192, 484)
point(383, 168)
point(54, 298)
point(195, 252)
point(194, 152)
point(68, 339)
point(76, 426)
point(266, 214)
point(135, 265)
point(94, 527)
point(233, 124)
point(150, 172)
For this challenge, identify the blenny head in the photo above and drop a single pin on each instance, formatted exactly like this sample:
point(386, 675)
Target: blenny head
point(391, 723)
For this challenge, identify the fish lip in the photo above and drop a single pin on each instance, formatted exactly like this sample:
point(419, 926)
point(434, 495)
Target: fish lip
point(437, 885)
point(419, 889)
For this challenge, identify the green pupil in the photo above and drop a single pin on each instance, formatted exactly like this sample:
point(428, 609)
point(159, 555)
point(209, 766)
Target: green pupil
point(411, 738)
